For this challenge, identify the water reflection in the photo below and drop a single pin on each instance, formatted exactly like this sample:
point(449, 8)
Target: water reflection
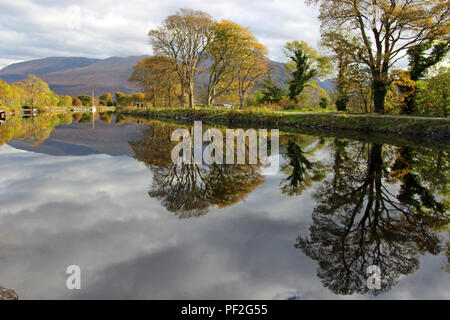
point(375, 208)
point(361, 219)
point(365, 204)
point(301, 172)
point(189, 190)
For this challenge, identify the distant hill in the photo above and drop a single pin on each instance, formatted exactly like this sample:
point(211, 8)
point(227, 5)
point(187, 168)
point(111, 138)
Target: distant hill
point(76, 75)
point(18, 71)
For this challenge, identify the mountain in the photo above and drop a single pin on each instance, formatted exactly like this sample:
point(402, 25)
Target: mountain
point(76, 75)
point(40, 67)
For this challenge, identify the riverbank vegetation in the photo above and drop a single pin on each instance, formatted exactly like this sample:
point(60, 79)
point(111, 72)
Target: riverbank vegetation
point(32, 92)
point(36, 93)
point(362, 43)
point(327, 121)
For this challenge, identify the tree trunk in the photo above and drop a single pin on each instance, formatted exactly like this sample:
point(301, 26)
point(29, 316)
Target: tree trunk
point(191, 95)
point(182, 97)
point(211, 94)
point(379, 95)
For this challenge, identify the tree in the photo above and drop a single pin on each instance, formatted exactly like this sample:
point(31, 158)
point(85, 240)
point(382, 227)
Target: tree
point(387, 29)
point(419, 63)
point(301, 75)
point(65, 101)
point(85, 100)
point(344, 47)
point(156, 77)
point(5, 94)
point(323, 102)
point(184, 38)
point(36, 91)
point(225, 51)
point(120, 99)
point(76, 102)
point(433, 97)
point(305, 66)
point(271, 92)
point(106, 99)
point(251, 68)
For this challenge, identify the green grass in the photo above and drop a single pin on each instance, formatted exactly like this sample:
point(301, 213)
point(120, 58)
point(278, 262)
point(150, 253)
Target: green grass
point(328, 121)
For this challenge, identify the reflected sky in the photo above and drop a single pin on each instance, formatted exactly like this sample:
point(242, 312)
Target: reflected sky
point(94, 210)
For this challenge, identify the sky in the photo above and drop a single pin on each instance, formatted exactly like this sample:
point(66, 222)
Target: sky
point(104, 28)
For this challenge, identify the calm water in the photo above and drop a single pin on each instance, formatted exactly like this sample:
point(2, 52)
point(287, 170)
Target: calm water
point(102, 194)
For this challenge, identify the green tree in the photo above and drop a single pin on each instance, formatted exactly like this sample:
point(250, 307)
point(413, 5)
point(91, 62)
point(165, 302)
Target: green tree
point(85, 100)
point(301, 75)
point(120, 99)
point(65, 101)
point(271, 92)
point(306, 66)
point(420, 61)
point(433, 96)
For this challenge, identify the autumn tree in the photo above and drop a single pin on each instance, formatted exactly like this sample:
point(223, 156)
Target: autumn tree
point(156, 77)
point(6, 94)
point(106, 99)
point(225, 52)
point(36, 91)
point(387, 29)
point(77, 102)
point(184, 38)
point(252, 67)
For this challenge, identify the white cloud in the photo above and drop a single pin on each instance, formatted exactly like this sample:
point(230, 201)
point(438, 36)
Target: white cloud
point(99, 28)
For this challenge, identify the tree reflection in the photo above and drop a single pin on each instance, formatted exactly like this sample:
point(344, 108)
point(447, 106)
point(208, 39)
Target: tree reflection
point(189, 190)
point(33, 130)
point(301, 171)
point(361, 219)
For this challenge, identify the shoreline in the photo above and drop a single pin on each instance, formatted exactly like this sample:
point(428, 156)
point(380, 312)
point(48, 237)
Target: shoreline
point(435, 128)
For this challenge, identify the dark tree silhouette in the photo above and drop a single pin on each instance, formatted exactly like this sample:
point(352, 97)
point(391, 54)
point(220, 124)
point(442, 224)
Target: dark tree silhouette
point(359, 222)
point(301, 172)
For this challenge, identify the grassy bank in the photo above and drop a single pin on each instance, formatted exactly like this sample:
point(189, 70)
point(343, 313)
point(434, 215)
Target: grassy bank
point(361, 123)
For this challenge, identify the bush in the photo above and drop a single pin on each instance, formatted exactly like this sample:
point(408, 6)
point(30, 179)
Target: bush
point(341, 104)
point(324, 103)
